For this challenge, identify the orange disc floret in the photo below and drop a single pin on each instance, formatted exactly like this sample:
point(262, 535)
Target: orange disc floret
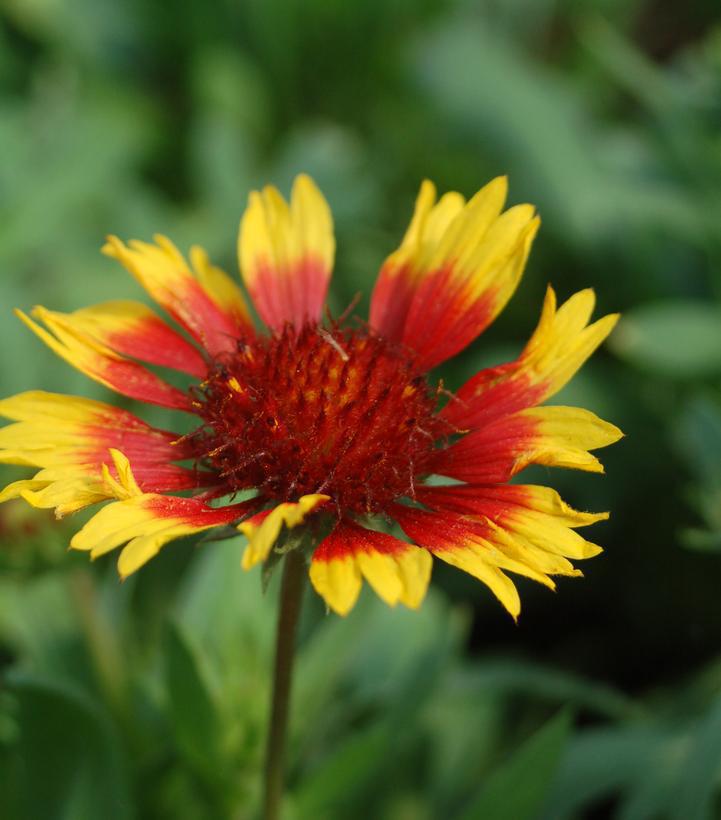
point(314, 410)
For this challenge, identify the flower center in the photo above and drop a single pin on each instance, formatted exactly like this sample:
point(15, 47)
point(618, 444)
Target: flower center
point(336, 411)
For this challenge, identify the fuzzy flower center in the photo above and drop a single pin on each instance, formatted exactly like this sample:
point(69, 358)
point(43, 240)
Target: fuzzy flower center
point(316, 410)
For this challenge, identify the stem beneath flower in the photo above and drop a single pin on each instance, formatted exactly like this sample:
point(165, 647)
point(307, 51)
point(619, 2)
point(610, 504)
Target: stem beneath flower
point(291, 596)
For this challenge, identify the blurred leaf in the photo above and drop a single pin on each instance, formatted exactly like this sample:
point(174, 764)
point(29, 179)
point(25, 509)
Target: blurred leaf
point(221, 606)
point(678, 339)
point(516, 789)
point(39, 620)
point(536, 681)
point(465, 729)
point(698, 438)
point(73, 766)
point(701, 540)
point(192, 711)
point(602, 762)
point(699, 775)
point(458, 67)
point(344, 776)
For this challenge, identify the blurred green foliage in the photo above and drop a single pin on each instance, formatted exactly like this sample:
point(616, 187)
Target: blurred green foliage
point(148, 699)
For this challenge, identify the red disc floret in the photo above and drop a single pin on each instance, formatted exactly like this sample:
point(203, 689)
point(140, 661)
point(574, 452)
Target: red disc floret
point(319, 410)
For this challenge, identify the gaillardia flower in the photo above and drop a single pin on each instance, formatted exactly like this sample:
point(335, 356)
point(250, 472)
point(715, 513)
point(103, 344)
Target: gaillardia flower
point(330, 424)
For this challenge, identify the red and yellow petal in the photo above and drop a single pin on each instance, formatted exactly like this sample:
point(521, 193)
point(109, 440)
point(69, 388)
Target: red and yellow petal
point(561, 343)
point(537, 513)
point(202, 298)
point(102, 364)
point(552, 436)
point(70, 438)
point(457, 267)
point(262, 530)
point(133, 329)
point(286, 253)
point(490, 531)
point(398, 572)
point(53, 489)
point(145, 523)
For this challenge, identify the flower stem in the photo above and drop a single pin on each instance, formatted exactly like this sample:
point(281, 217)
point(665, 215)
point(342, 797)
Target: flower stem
point(291, 595)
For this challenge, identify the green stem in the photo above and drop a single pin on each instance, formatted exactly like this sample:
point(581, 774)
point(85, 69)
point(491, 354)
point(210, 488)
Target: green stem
point(291, 595)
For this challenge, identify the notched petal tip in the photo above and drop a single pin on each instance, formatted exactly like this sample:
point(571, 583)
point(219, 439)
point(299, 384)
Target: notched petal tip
point(114, 247)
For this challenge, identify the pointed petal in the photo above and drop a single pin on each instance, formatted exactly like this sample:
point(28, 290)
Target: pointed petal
point(535, 513)
point(71, 438)
point(263, 529)
point(457, 267)
point(204, 300)
point(101, 363)
point(553, 436)
point(132, 329)
point(561, 343)
point(286, 253)
point(145, 523)
point(490, 531)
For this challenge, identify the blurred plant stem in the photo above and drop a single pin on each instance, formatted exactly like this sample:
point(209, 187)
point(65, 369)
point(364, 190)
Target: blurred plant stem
point(291, 596)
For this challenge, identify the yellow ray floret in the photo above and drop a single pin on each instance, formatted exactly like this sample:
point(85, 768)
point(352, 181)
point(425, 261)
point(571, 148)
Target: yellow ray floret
point(262, 531)
point(54, 489)
point(397, 571)
point(563, 339)
point(490, 530)
point(71, 341)
point(71, 438)
point(458, 265)
point(564, 436)
point(145, 522)
point(560, 344)
point(125, 485)
point(202, 298)
point(131, 329)
point(286, 252)
point(56, 432)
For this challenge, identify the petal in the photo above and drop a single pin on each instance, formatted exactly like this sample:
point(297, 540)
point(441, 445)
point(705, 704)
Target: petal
point(286, 253)
point(553, 436)
point(561, 343)
point(101, 363)
point(502, 535)
point(204, 300)
point(398, 572)
point(51, 489)
point(536, 513)
point(263, 529)
point(133, 329)
point(146, 523)
point(71, 439)
point(337, 581)
point(457, 267)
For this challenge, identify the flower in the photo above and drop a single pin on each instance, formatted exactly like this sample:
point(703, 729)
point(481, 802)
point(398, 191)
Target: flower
point(332, 425)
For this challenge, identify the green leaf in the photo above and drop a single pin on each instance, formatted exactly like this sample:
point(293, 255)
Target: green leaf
point(516, 790)
point(679, 339)
point(532, 680)
point(699, 773)
point(192, 711)
point(603, 762)
point(344, 776)
point(73, 764)
point(698, 438)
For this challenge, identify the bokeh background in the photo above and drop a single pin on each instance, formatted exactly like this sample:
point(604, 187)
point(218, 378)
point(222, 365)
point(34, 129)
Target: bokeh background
point(148, 699)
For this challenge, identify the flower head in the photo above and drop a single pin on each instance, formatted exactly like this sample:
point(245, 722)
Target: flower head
point(330, 425)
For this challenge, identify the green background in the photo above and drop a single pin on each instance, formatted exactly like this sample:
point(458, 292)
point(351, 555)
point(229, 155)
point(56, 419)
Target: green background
point(148, 699)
